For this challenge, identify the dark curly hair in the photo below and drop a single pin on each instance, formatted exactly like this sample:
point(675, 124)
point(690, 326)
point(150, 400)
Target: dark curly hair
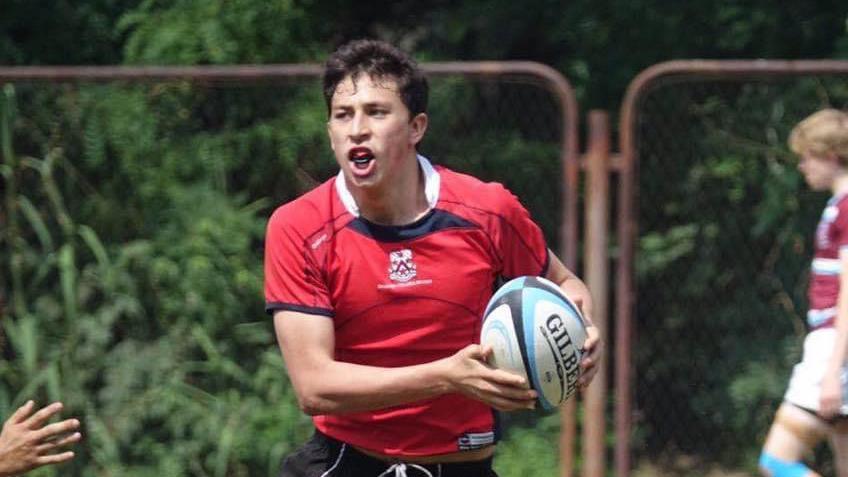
point(379, 60)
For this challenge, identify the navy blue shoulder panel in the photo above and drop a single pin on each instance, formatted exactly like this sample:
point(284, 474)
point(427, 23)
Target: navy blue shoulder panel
point(435, 221)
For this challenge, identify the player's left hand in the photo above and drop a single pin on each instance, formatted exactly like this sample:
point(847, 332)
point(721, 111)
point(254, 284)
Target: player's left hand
point(830, 399)
point(592, 349)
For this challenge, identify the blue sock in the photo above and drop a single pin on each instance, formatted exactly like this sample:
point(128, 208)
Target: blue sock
point(782, 468)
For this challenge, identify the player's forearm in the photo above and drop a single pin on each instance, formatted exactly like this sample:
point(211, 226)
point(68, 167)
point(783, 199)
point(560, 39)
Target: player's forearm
point(571, 285)
point(336, 387)
point(575, 289)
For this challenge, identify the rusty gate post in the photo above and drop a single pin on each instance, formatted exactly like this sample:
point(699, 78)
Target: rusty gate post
point(596, 275)
point(567, 437)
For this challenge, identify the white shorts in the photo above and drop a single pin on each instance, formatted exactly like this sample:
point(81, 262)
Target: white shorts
point(805, 383)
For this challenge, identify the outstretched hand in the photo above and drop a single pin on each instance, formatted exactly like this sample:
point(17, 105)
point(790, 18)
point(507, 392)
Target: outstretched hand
point(27, 441)
point(468, 374)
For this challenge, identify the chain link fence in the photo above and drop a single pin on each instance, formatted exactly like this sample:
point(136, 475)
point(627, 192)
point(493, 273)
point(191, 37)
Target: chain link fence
point(724, 245)
point(135, 213)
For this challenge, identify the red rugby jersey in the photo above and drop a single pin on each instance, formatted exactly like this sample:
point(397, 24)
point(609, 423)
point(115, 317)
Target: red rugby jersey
point(403, 295)
point(831, 237)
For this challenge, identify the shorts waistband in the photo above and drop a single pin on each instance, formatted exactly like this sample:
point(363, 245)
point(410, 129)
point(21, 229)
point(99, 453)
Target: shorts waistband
point(372, 464)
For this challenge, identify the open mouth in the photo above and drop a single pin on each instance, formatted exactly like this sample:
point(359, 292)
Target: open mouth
point(360, 156)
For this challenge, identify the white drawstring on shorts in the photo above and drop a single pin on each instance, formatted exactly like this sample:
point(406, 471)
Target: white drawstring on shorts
point(399, 470)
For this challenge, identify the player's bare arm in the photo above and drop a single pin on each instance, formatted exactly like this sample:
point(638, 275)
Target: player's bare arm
point(325, 385)
point(28, 442)
point(831, 391)
point(575, 289)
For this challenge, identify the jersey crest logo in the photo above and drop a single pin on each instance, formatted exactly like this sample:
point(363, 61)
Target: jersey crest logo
point(401, 267)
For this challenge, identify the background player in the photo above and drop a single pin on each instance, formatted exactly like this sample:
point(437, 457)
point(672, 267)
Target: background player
point(813, 406)
point(377, 281)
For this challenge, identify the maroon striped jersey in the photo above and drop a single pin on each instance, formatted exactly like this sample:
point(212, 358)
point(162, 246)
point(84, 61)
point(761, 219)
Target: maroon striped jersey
point(831, 238)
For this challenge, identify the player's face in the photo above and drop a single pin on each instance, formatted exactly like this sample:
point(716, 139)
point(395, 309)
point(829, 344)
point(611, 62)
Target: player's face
point(371, 130)
point(819, 170)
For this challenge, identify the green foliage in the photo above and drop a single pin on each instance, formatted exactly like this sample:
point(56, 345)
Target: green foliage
point(531, 450)
point(602, 46)
point(155, 339)
point(62, 32)
point(485, 140)
point(217, 32)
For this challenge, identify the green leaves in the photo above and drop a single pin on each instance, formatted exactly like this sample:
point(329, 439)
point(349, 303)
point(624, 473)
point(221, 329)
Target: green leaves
point(139, 282)
point(190, 32)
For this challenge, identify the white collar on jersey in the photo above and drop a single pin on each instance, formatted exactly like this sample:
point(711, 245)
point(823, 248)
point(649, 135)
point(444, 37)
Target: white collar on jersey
point(432, 181)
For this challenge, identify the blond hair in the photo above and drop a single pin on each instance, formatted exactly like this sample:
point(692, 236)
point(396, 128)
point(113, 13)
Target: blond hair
point(822, 133)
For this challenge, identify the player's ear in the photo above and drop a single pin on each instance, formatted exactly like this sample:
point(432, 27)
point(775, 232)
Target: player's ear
point(419, 127)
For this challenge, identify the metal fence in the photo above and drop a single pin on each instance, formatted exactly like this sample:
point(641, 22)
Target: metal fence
point(723, 245)
point(512, 108)
point(84, 136)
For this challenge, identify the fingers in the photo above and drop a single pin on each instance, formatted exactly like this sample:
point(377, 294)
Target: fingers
point(55, 458)
point(826, 413)
point(593, 338)
point(508, 391)
point(586, 377)
point(477, 352)
point(22, 412)
point(498, 388)
point(39, 418)
point(504, 398)
point(830, 397)
point(578, 300)
point(590, 358)
point(829, 406)
point(503, 390)
point(506, 378)
point(588, 367)
point(65, 441)
point(592, 346)
point(475, 364)
point(56, 429)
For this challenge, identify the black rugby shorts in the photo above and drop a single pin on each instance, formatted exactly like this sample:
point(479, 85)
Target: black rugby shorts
point(323, 456)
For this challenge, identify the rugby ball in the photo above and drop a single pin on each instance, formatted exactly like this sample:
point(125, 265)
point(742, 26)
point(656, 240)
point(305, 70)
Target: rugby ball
point(537, 332)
